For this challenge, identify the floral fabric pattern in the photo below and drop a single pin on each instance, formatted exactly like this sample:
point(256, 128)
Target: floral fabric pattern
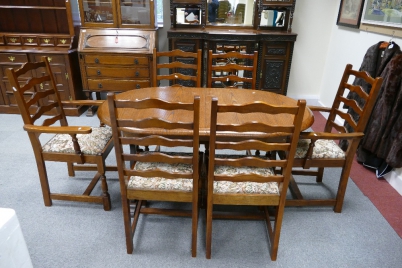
point(162, 184)
point(244, 187)
point(91, 144)
point(322, 149)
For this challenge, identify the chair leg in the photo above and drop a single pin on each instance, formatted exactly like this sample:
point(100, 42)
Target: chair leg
point(105, 191)
point(194, 229)
point(343, 183)
point(209, 230)
point(127, 224)
point(275, 231)
point(44, 183)
point(105, 194)
point(70, 168)
point(320, 173)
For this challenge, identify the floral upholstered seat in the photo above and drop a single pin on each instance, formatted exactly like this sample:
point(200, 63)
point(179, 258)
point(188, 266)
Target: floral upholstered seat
point(162, 184)
point(91, 144)
point(322, 149)
point(244, 187)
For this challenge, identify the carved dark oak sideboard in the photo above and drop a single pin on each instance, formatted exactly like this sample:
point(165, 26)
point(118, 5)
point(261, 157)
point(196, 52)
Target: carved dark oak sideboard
point(261, 25)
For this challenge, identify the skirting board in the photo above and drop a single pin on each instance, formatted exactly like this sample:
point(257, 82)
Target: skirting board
point(394, 177)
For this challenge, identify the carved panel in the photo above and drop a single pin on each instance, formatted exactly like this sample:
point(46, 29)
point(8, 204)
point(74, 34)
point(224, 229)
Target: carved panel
point(188, 47)
point(186, 83)
point(273, 74)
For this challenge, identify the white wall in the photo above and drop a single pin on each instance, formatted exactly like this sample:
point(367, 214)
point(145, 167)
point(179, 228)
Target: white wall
point(321, 52)
point(312, 22)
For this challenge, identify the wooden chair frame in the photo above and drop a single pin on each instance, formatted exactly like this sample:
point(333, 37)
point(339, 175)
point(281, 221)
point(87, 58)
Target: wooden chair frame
point(335, 131)
point(45, 95)
point(139, 196)
point(232, 69)
point(178, 68)
point(278, 137)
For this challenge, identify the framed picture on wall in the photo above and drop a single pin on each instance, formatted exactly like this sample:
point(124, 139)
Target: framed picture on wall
point(350, 13)
point(384, 13)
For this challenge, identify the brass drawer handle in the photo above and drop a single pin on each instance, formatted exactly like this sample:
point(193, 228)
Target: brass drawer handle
point(30, 40)
point(96, 60)
point(135, 61)
point(46, 40)
point(98, 72)
point(100, 85)
point(138, 86)
point(13, 39)
point(11, 58)
point(49, 59)
point(63, 41)
point(137, 73)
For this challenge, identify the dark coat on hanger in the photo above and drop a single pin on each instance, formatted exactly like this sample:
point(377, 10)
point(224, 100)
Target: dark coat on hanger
point(383, 136)
point(374, 62)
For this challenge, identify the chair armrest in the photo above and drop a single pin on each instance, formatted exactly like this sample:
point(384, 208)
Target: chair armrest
point(58, 130)
point(331, 136)
point(84, 102)
point(319, 108)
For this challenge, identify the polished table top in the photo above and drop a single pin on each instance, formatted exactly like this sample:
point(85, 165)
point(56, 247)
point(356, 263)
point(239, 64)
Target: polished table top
point(224, 95)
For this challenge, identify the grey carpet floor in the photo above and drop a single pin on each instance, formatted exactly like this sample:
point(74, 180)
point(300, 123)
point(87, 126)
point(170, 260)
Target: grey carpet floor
point(83, 235)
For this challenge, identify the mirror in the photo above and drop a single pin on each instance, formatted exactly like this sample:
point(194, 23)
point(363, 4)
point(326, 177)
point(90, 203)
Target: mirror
point(189, 15)
point(233, 12)
point(273, 18)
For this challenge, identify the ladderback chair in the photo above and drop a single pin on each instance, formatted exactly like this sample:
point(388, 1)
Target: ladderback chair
point(83, 148)
point(165, 175)
point(238, 179)
point(183, 68)
point(232, 69)
point(318, 150)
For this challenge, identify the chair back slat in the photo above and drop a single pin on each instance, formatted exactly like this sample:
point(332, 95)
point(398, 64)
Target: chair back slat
point(183, 68)
point(158, 174)
point(362, 112)
point(250, 178)
point(156, 140)
point(259, 145)
point(154, 122)
point(279, 137)
point(232, 69)
point(44, 96)
point(157, 157)
point(250, 162)
point(124, 134)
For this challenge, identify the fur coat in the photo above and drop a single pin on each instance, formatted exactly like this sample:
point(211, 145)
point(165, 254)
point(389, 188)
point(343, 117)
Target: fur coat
point(374, 62)
point(383, 136)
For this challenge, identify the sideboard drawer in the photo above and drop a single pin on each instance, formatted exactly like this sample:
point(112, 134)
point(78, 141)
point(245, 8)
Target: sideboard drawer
point(116, 60)
point(117, 72)
point(53, 59)
point(13, 58)
point(116, 85)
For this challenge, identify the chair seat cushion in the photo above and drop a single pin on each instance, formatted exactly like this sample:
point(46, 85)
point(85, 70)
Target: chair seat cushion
point(244, 187)
point(322, 149)
point(90, 144)
point(161, 184)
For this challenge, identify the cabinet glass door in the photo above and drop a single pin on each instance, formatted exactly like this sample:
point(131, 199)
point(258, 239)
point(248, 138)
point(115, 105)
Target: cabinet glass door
point(136, 13)
point(98, 13)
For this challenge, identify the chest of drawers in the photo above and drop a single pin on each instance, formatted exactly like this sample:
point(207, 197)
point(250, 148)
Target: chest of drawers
point(115, 59)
